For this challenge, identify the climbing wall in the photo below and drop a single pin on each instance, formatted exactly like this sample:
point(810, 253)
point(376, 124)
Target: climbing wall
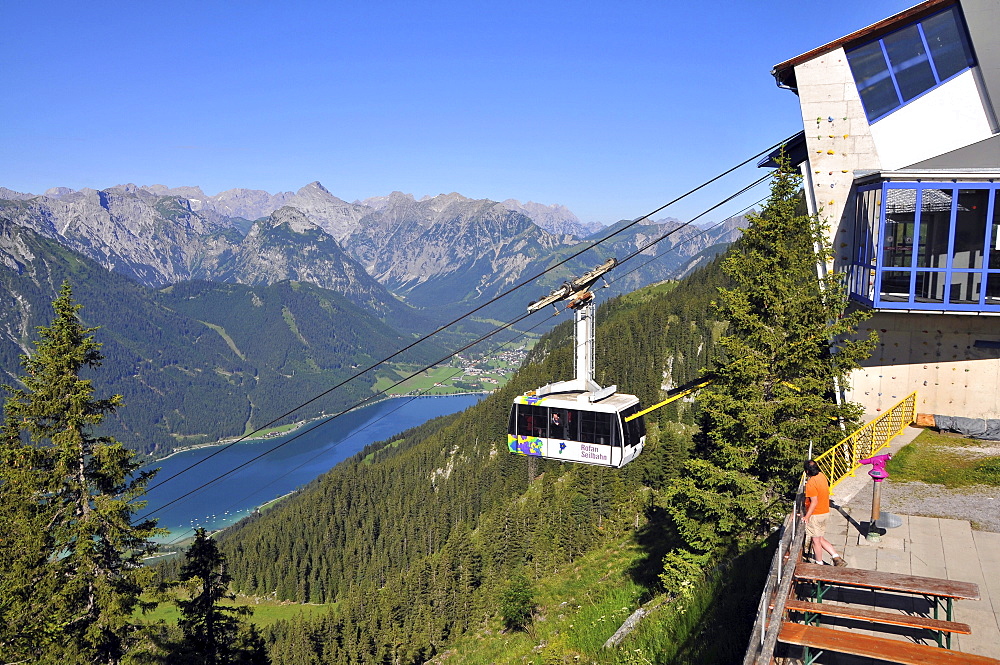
point(953, 362)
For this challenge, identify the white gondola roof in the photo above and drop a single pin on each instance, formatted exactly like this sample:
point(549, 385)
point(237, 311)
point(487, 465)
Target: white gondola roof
point(614, 403)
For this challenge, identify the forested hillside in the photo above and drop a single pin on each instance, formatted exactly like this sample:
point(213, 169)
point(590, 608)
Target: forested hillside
point(437, 539)
point(417, 538)
point(199, 361)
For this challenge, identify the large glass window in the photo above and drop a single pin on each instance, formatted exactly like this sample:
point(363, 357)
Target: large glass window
point(635, 429)
point(970, 228)
point(875, 85)
point(935, 225)
point(910, 66)
point(597, 428)
point(929, 286)
point(940, 246)
point(900, 218)
point(993, 244)
point(904, 64)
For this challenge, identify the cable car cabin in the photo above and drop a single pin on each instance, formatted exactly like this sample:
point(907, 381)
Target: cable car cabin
point(562, 427)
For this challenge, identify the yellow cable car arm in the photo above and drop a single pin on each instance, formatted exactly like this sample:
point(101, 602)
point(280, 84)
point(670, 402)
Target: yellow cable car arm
point(682, 392)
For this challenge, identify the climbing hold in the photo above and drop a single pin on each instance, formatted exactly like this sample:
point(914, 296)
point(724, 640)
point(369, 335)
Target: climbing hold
point(830, 119)
point(846, 135)
point(831, 152)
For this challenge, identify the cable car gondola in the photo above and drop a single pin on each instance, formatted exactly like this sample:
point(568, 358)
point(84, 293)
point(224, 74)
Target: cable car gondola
point(578, 421)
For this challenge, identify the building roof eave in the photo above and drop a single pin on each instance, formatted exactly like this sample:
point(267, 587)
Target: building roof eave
point(784, 72)
point(937, 175)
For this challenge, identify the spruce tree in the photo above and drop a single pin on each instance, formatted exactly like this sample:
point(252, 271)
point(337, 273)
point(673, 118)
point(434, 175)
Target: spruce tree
point(213, 633)
point(790, 343)
point(72, 561)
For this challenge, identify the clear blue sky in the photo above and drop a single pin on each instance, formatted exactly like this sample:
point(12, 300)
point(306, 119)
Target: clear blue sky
point(608, 108)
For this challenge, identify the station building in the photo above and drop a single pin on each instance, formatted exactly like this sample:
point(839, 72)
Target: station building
point(900, 153)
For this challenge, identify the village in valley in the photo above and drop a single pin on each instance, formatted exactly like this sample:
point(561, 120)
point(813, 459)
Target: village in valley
point(465, 373)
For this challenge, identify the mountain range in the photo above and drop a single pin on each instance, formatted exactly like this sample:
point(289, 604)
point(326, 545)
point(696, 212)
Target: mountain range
point(394, 264)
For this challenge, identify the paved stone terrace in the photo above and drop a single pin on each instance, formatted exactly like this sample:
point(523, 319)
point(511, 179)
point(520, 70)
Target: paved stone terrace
point(926, 546)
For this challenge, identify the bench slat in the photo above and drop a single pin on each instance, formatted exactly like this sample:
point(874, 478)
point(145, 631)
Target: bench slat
point(889, 618)
point(893, 651)
point(873, 579)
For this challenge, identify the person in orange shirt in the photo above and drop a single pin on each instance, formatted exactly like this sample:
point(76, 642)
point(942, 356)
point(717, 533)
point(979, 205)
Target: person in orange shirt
point(817, 512)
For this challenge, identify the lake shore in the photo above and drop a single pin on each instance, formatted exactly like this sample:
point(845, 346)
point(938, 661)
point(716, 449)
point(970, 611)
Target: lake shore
point(294, 427)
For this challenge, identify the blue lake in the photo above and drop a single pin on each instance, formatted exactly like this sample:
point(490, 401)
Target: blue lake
point(309, 452)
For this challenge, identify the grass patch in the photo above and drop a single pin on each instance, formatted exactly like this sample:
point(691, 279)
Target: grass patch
point(371, 456)
point(581, 606)
point(265, 612)
point(946, 459)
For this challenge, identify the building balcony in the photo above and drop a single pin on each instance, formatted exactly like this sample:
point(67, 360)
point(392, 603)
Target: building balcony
point(926, 245)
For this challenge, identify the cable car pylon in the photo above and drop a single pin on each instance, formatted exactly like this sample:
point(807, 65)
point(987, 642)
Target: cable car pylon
point(578, 420)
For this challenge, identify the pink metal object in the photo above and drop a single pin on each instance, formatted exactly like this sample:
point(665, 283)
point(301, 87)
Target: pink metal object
point(878, 462)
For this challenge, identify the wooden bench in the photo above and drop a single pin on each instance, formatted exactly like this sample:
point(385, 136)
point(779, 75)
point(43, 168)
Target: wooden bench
point(880, 648)
point(874, 579)
point(874, 616)
point(931, 587)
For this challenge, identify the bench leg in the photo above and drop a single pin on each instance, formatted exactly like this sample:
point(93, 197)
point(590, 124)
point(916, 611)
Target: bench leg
point(943, 636)
point(808, 658)
point(948, 602)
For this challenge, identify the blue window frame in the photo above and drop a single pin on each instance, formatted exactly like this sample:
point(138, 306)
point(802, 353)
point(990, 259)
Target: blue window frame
point(927, 246)
point(906, 63)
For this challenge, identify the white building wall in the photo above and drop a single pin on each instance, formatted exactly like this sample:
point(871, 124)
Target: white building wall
point(936, 355)
point(933, 354)
point(838, 137)
point(948, 117)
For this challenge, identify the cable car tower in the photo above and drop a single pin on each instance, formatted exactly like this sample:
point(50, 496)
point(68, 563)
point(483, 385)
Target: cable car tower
point(577, 420)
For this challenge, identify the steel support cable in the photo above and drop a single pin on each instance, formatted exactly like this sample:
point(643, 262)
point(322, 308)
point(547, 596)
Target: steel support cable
point(324, 421)
point(379, 419)
point(640, 266)
point(426, 367)
point(685, 224)
point(504, 294)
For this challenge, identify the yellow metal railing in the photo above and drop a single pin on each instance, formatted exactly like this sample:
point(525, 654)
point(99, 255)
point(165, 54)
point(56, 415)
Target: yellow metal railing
point(841, 460)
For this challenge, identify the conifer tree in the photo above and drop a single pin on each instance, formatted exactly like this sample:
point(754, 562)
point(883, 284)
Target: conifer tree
point(72, 562)
point(789, 344)
point(517, 602)
point(213, 633)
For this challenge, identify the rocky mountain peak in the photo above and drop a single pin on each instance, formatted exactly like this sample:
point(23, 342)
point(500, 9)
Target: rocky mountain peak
point(57, 192)
point(11, 195)
point(314, 188)
point(383, 202)
point(442, 201)
point(293, 217)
